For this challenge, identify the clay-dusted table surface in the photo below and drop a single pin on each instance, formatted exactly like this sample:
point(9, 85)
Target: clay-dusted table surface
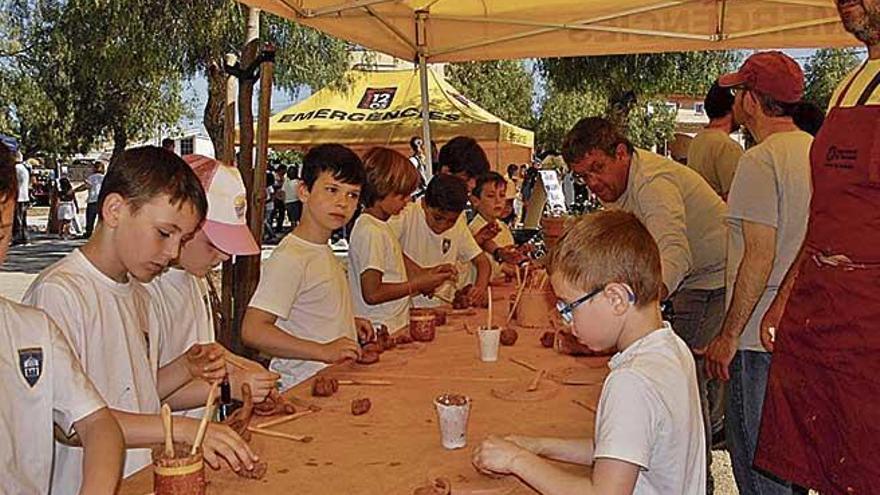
point(396, 446)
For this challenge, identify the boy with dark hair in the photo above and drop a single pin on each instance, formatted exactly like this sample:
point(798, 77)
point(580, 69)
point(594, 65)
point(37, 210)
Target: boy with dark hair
point(432, 233)
point(43, 383)
point(377, 271)
point(606, 272)
point(301, 313)
point(150, 202)
point(488, 198)
point(463, 157)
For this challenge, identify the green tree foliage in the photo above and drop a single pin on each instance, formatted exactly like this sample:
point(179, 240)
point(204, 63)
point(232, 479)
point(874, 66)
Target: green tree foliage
point(503, 87)
point(627, 81)
point(824, 70)
point(560, 111)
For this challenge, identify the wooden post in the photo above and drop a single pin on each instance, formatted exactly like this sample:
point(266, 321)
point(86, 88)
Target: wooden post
point(226, 333)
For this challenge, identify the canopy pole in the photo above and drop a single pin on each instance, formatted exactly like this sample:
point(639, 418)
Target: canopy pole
point(423, 83)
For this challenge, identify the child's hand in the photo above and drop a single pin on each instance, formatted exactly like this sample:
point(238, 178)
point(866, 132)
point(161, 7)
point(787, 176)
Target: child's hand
point(222, 441)
point(365, 331)
point(206, 362)
point(495, 455)
point(478, 297)
point(429, 280)
point(339, 350)
point(259, 379)
point(487, 233)
point(512, 255)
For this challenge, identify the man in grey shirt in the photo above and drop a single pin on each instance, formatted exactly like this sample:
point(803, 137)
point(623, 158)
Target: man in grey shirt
point(682, 213)
point(769, 203)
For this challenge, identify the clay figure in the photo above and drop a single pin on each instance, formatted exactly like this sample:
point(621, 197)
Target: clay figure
point(360, 406)
point(509, 336)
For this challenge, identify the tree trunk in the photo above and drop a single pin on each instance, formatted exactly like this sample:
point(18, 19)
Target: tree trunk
point(620, 104)
point(213, 115)
point(120, 142)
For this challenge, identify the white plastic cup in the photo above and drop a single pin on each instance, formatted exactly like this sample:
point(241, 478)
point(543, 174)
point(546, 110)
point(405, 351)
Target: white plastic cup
point(489, 341)
point(452, 415)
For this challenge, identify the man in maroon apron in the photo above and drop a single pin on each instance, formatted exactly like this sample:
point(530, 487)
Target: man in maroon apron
point(821, 418)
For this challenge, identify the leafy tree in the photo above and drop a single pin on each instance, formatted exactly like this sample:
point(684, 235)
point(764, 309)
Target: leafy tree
point(625, 80)
point(560, 111)
point(824, 70)
point(503, 87)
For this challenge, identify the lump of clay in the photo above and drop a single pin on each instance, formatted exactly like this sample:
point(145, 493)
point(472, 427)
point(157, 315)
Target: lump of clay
point(509, 336)
point(274, 404)
point(402, 338)
point(440, 486)
point(324, 386)
point(548, 339)
point(461, 300)
point(373, 347)
point(256, 473)
point(241, 418)
point(566, 343)
point(360, 406)
point(383, 338)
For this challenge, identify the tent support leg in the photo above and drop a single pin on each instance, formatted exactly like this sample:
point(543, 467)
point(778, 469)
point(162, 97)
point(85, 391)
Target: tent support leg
point(423, 83)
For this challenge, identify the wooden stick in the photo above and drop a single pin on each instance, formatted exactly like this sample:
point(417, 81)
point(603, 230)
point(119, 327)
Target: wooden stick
point(518, 278)
point(166, 427)
point(209, 412)
point(467, 329)
point(571, 381)
point(535, 381)
point(445, 377)
point(365, 382)
point(489, 312)
point(285, 419)
point(585, 405)
point(524, 364)
point(518, 296)
point(278, 434)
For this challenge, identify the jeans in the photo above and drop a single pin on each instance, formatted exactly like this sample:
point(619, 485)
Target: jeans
point(279, 215)
point(294, 212)
point(19, 222)
point(91, 217)
point(745, 399)
point(698, 315)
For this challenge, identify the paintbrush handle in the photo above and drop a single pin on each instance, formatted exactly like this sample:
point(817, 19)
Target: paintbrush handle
point(203, 426)
point(167, 429)
point(535, 381)
point(285, 419)
point(524, 364)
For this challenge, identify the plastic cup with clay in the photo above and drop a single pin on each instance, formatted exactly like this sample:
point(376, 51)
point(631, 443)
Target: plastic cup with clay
point(452, 413)
point(489, 340)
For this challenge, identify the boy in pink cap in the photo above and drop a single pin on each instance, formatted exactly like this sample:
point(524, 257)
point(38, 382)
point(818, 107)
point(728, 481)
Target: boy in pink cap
point(182, 299)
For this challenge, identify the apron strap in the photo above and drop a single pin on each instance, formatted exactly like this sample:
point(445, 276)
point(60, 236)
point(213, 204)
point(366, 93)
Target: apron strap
point(849, 84)
point(869, 90)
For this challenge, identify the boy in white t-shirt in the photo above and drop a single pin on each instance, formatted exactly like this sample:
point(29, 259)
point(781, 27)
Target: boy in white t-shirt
point(181, 299)
point(433, 232)
point(301, 313)
point(648, 428)
point(488, 198)
point(150, 202)
point(377, 272)
point(43, 383)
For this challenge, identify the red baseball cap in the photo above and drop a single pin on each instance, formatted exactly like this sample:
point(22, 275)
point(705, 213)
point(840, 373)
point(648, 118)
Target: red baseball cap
point(774, 74)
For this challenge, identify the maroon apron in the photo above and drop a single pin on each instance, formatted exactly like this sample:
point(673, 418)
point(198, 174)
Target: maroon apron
point(821, 415)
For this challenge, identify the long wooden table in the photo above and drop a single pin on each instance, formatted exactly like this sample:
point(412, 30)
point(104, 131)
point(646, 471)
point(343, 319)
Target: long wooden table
point(396, 446)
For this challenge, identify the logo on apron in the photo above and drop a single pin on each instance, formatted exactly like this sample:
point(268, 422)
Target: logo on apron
point(30, 362)
point(446, 245)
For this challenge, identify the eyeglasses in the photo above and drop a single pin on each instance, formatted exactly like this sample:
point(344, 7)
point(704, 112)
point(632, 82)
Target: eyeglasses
point(566, 310)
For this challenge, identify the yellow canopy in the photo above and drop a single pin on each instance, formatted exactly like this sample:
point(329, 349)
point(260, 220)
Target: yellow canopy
point(457, 30)
point(382, 108)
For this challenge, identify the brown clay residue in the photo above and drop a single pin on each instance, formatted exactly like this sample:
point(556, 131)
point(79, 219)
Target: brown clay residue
point(452, 400)
point(324, 386)
point(360, 406)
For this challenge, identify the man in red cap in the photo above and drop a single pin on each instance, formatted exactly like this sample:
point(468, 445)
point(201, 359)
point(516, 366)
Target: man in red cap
point(767, 220)
point(821, 420)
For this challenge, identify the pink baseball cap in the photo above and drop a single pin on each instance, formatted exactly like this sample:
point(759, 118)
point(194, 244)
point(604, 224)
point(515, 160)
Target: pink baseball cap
point(774, 74)
point(226, 222)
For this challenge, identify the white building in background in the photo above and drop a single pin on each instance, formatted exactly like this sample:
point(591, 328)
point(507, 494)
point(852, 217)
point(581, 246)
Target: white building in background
point(188, 142)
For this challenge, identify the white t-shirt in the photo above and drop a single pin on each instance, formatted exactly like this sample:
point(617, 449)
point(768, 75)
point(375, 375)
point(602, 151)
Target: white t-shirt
point(428, 249)
point(106, 323)
point(504, 238)
point(181, 314)
point(305, 286)
point(94, 181)
point(373, 246)
point(649, 415)
point(289, 187)
point(23, 177)
point(773, 187)
point(32, 349)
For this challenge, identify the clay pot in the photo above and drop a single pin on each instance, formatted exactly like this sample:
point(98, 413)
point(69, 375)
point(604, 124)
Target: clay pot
point(422, 326)
point(183, 475)
point(536, 308)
